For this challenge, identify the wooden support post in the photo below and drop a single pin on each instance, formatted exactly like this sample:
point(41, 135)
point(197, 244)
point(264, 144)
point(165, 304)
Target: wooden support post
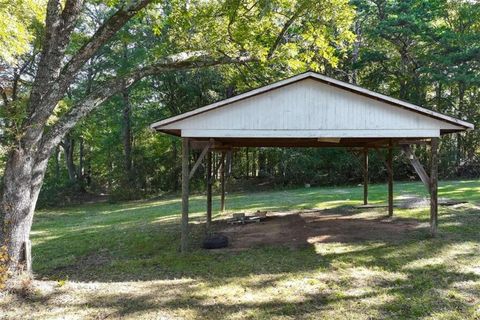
point(365, 176)
point(185, 192)
point(222, 182)
point(390, 179)
point(209, 190)
point(434, 187)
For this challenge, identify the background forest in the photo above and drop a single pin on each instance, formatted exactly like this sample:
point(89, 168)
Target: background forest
point(426, 52)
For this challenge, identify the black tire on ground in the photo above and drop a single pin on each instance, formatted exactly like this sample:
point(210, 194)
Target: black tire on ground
point(215, 242)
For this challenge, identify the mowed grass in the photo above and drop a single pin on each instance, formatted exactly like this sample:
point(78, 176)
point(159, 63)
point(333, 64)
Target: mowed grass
point(111, 261)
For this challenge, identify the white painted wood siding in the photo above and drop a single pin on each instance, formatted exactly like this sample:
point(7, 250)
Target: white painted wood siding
point(306, 109)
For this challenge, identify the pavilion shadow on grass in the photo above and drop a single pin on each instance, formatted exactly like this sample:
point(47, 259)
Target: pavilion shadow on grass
point(310, 110)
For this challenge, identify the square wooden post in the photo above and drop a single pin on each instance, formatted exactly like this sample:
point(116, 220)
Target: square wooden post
point(222, 182)
point(185, 193)
point(365, 176)
point(209, 190)
point(434, 186)
point(390, 179)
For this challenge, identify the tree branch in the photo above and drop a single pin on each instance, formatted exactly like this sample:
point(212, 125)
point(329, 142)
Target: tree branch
point(284, 30)
point(51, 29)
point(52, 81)
point(51, 23)
point(70, 13)
point(182, 61)
point(17, 76)
point(59, 26)
point(103, 35)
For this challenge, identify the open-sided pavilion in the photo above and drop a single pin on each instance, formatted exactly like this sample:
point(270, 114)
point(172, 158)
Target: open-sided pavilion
point(310, 110)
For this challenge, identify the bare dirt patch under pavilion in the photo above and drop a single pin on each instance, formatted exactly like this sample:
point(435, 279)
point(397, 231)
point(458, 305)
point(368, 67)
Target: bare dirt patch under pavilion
point(302, 228)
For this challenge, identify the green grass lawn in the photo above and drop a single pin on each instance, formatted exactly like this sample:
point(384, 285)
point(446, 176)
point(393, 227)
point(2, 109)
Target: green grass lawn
point(111, 261)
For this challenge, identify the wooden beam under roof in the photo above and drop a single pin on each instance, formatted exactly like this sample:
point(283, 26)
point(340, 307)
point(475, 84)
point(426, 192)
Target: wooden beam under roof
point(225, 144)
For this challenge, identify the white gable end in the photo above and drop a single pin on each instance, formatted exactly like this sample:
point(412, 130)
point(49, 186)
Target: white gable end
point(310, 109)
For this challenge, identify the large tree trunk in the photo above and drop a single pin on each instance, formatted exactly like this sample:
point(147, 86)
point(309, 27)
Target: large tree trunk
point(22, 184)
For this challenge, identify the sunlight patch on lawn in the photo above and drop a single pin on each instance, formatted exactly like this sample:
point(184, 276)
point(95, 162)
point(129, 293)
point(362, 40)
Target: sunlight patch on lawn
point(362, 276)
point(342, 248)
point(449, 256)
point(334, 203)
point(173, 217)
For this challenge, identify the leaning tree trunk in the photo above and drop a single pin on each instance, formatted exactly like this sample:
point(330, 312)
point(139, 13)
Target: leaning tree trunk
point(22, 184)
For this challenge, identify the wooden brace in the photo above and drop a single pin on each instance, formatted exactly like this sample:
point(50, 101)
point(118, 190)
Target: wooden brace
point(417, 166)
point(200, 159)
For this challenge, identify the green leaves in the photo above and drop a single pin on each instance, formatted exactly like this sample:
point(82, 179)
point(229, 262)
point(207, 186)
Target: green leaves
point(19, 23)
point(266, 30)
